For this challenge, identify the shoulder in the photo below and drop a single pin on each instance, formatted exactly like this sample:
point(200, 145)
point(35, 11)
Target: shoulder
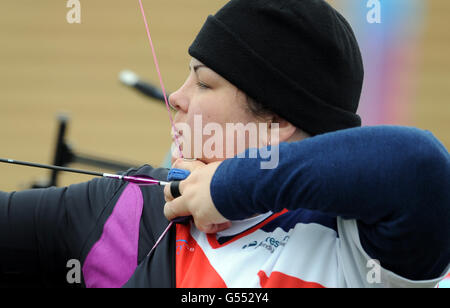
point(157, 173)
point(152, 195)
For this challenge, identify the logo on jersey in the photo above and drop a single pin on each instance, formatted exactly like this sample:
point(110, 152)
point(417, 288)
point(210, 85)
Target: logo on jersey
point(180, 244)
point(269, 243)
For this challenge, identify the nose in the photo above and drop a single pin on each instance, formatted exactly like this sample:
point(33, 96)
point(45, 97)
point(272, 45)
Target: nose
point(179, 100)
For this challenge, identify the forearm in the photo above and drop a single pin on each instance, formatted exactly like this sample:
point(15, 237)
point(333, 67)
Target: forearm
point(361, 173)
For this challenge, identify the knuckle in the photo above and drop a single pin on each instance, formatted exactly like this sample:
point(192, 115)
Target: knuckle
point(169, 211)
point(166, 209)
point(167, 194)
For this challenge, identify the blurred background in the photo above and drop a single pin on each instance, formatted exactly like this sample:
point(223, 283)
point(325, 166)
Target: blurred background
point(49, 66)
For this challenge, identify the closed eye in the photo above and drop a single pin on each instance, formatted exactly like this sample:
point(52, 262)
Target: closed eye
point(203, 86)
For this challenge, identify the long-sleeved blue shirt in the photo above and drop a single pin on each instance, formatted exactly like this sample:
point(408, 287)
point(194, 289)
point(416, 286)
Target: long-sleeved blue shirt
point(395, 181)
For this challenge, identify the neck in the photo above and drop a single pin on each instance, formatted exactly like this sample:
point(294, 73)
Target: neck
point(298, 135)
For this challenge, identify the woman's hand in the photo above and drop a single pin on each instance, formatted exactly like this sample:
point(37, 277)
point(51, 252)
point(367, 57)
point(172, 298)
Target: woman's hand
point(195, 199)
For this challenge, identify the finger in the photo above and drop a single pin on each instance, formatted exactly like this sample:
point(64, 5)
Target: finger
point(172, 191)
point(167, 194)
point(175, 189)
point(187, 165)
point(214, 228)
point(176, 208)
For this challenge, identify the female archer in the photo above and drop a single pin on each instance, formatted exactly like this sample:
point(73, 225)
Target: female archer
point(340, 197)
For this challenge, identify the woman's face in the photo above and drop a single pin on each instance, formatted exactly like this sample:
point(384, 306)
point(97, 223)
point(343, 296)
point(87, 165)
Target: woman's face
point(207, 107)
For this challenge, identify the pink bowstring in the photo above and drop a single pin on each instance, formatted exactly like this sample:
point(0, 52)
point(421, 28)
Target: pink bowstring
point(160, 238)
point(155, 60)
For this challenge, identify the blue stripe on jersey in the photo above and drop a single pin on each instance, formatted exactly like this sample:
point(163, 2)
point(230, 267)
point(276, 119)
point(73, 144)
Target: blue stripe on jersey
point(288, 220)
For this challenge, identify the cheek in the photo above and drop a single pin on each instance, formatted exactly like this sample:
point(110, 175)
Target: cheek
point(201, 143)
point(209, 111)
point(190, 127)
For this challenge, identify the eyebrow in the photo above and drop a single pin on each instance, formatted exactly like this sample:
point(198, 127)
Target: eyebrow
point(197, 67)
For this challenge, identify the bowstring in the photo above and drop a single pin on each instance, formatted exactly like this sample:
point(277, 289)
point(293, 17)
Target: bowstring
point(155, 60)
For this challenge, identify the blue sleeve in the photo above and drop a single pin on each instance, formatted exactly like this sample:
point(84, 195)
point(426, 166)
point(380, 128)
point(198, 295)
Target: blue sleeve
point(394, 181)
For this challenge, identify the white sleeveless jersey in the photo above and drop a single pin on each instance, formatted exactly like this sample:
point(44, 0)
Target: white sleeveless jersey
point(289, 249)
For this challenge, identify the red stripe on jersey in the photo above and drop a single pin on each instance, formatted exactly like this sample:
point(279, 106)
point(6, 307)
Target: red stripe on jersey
point(212, 239)
point(193, 269)
point(280, 280)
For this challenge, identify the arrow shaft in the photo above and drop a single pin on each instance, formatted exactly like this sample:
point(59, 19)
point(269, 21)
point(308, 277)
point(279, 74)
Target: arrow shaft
point(51, 167)
point(126, 178)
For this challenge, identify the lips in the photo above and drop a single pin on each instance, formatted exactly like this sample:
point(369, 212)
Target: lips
point(177, 138)
point(177, 145)
point(175, 133)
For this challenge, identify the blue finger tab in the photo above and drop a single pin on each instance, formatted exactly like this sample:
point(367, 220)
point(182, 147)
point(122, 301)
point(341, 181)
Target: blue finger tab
point(177, 174)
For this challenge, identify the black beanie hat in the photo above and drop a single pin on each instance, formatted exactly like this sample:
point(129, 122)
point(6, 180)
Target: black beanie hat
point(298, 58)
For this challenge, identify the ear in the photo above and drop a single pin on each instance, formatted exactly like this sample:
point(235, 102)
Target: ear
point(281, 130)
